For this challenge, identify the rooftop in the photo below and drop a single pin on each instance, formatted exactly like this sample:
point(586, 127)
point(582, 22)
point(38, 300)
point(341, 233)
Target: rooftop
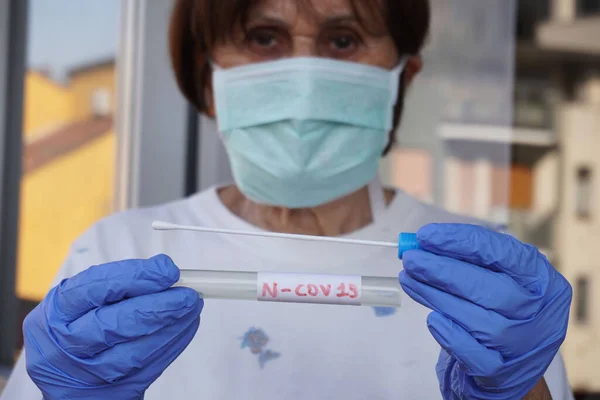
point(63, 141)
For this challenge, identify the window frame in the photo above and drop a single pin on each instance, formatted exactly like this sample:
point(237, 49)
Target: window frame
point(150, 105)
point(152, 120)
point(151, 124)
point(13, 43)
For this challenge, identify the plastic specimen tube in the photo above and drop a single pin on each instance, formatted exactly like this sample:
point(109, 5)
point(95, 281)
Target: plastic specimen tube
point(294, 288)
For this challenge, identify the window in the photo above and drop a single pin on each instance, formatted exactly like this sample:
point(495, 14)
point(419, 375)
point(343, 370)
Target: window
point(583, 192)
point(68, 139)
point(533, 102)
point(587, 7)
point(582, 300)
point(101, 104)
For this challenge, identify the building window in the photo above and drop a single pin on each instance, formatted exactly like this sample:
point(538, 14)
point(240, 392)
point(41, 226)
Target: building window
point(101, 106)
point(583, 192)
point(582, 300)
point(521, 187)
point(588, 7)
point(533, 98)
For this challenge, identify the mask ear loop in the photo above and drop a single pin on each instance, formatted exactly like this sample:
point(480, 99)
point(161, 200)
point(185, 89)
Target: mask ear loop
point(375, 188)
point(397, 86)
point(214, 65)
point(398, 69)
point(207, 71)
point(397, 73)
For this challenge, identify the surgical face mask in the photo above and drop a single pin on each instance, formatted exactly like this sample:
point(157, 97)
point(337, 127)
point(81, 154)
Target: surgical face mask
point(302, 132)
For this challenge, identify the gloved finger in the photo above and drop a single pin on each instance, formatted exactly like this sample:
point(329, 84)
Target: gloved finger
point(143, 359)
point(155, 367)
point(495, 251)
point(491, 290)
point(472, 356)
point(107, 326)
point(111, 283)
point(488, 327)
point(487, 367)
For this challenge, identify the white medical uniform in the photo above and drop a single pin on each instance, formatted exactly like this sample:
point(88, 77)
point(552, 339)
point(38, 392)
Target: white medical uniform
point(271, 351)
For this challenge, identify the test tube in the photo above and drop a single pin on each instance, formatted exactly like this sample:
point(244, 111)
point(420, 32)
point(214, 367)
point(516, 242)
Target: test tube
point(294, 288)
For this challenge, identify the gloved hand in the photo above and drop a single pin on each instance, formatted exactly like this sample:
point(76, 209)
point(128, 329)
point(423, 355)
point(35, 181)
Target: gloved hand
point(110, 331)
point(500, 309)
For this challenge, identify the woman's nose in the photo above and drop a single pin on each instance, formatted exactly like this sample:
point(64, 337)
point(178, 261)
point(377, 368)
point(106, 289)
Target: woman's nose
point(304, 46)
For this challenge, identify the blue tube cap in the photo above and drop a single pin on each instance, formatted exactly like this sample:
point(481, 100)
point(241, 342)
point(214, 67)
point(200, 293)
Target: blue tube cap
point(406, 242)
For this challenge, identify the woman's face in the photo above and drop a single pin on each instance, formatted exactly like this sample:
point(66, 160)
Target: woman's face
point(318, 28)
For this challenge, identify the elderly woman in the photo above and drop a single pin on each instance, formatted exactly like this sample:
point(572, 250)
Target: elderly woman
point(307, 96)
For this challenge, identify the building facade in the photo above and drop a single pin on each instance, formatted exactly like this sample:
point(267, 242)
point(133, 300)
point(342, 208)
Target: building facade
point(558, 89)
point(538, 174)
point(554, 167)
point(69, 158)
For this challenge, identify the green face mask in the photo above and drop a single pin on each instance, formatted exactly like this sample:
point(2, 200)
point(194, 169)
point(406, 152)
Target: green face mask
point(302, 132)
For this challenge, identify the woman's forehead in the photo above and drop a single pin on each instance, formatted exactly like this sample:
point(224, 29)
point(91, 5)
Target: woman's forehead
point(319, 10)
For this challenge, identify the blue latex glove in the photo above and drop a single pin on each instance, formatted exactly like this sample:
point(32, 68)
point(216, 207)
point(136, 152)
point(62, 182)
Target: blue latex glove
point(110, 331)
point(500, 309)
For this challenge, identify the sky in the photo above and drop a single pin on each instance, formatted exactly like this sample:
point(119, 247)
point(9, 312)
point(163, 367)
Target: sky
point(67, 33)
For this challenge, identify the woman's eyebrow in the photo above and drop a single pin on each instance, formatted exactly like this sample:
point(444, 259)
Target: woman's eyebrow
point(267, 19)
point(336, 19)
point(274, 20)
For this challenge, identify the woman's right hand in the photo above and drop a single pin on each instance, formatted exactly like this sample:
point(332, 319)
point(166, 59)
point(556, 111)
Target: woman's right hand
point(110, 331)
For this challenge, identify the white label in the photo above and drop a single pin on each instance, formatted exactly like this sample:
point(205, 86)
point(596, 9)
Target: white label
point(309, 288)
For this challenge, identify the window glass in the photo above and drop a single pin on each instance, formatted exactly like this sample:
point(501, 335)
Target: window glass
point(582, 300)
point(583, 192)
point(68, 136)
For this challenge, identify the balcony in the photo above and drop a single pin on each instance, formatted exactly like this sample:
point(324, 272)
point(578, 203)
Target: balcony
point(577, 36)
point(498, 134)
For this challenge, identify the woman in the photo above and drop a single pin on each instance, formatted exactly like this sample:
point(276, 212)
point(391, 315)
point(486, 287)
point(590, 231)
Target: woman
point(307, 95)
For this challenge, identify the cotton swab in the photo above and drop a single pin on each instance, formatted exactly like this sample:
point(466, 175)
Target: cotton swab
point(406, 241)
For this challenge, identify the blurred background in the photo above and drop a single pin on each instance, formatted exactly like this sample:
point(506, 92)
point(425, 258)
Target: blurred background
point(503, 124)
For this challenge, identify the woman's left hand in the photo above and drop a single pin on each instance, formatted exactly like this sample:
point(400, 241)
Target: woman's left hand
point(500, 310)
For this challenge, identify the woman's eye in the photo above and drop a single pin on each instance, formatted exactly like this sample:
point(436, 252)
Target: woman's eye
point(340, 43)
point(267, 42)
point(264, 39)
point(343, 42)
